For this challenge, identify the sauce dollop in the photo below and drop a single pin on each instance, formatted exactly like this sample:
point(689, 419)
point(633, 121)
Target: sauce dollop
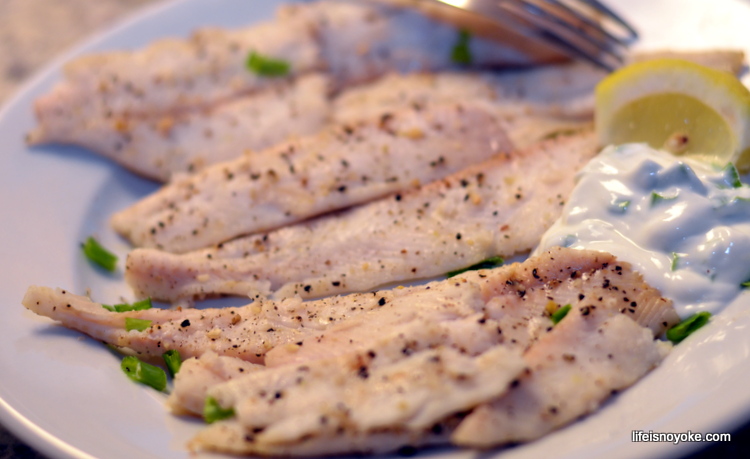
point(683, 224)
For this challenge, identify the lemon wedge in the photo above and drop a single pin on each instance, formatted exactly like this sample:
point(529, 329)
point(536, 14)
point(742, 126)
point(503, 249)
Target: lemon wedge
point(679, 106)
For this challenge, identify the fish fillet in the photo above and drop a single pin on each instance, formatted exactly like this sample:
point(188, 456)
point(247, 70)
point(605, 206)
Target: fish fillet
point(586, 386)
point(507, 305)
point(175, 74)
point(305, 329)
point(322, 404)
point(198, 374)
point(500, 207)
point(572, 371)
point(161, 145)
point(341, 166)
point(355, 395)
point(120, 96)
point(378, 371)
point(247, 332)
point(560, 91)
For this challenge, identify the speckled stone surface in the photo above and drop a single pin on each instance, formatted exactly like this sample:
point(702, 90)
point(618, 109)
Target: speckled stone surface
point(32, 32)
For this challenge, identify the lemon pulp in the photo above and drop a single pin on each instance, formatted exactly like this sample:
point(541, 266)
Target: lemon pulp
point(678, 106)
point(677, 123)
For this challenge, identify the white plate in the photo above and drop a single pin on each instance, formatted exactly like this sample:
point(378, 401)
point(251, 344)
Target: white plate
point(65, 394)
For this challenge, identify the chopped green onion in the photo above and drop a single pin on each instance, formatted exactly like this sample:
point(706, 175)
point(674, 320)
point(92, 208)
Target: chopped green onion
point(461, 54)
point(144, 373)
point(682, 330)
point(124, 307)
point(731, 176)
point(621, 206)
point(657, 198)
point(213, 412)
point(173, 360)
point(675, 260)
point(99, 255)
point(569, 240)
point(491, 262)
point(267, 66)
point(745, 284)
point(560, 314)
point(560, 133)
point(136, 324)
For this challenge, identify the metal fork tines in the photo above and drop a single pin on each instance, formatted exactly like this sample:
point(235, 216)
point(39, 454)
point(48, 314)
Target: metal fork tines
point(584, 29)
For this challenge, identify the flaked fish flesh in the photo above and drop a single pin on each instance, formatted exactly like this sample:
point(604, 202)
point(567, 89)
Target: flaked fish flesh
point(119, 103)
point(162, 145)
point(500, 207)
point(339, 167)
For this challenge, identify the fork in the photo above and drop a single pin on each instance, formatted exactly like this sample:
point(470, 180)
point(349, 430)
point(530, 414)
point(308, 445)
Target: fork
point(546, 29)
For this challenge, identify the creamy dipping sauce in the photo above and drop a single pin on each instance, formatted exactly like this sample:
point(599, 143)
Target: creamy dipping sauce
point(684, 225)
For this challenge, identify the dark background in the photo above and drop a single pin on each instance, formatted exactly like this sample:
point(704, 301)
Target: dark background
point(12, 448)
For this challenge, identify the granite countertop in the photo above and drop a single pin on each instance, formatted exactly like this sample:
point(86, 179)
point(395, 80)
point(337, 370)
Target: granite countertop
point(32, 32)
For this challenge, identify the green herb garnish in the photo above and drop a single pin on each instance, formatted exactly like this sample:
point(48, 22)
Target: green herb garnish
point(489, 263)
point(569, 240)
point(213, 412)
point(144, 373)
point(560, 314)
point(621, 206)
point(731, 176)
point(656, 198)
point(682, 330)
point(124, 307)
point(267, 66)
point(99, 255)
point(675, 260)
point(173, 360)
point(461, 54)
point(136, 324)
point(745, 284)
point(560, 133)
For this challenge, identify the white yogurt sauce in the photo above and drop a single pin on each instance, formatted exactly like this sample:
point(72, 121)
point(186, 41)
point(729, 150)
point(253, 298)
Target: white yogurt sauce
point(684, 225)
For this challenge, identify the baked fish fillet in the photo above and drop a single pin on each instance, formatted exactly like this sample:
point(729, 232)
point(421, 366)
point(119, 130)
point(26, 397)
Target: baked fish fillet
point(588, 356)
point(509, 305)
point(378, 371)
point(296, 329)
point(115, 102)
point(355, 395)
point(354, 41)
point(570, 382)
point(500, 207)
point(162, 145)
point(247, 332)
point(279, 410)
point(127, 105)
point(197, 375)
point(339, 167)
point(564, 91)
